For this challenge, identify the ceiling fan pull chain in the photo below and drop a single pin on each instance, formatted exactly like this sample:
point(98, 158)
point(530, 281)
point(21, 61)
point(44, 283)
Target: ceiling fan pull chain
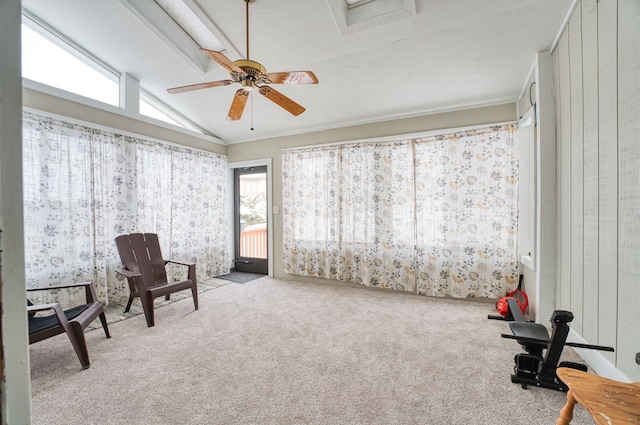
point(251, 111)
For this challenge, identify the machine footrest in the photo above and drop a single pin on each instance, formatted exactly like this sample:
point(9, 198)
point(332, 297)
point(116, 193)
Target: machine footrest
point(539, 381)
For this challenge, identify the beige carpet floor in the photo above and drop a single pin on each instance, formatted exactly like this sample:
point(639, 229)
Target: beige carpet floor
point(115, 312)
point(286, 352)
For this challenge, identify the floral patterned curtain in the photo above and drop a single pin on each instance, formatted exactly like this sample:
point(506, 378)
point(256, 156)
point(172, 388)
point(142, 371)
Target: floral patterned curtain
point(467, 213)
point(83, 187)
point(348, 214)
point(435, 216)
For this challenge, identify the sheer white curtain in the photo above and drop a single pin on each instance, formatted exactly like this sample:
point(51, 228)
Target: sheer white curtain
point(436, 216)
point(467, 213)
point(348, 213)
point(84, 186)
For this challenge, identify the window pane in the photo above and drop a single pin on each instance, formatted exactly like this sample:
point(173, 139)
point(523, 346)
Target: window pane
point(149, 110)
point(47, 63)
point(253, 215)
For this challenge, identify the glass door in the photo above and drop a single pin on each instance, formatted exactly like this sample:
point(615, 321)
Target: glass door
point(250, 212)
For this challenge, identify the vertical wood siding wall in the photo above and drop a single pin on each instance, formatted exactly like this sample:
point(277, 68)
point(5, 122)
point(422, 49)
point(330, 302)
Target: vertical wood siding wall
point(597, 77)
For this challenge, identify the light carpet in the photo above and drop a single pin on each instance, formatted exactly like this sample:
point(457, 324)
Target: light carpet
point(285, 352)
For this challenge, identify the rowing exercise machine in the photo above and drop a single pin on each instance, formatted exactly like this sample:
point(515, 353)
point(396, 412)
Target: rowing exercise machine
point(538, 365)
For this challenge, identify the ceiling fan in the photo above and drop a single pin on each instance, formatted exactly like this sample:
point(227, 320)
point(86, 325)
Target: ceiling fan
point(250, 75)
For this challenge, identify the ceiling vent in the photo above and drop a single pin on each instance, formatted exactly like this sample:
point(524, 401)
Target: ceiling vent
point(353, 16)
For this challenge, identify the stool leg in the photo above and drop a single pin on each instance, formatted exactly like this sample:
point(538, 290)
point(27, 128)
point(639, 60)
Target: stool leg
point(566, 414)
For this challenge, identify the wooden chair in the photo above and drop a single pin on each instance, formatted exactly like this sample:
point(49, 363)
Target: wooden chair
point(144, 268)
point(73, 321)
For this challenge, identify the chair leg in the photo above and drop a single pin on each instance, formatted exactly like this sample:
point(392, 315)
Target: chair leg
point(147, 306)
point(103, 320)
point(126, 309)
point(132, 293)
point(81, 344)
point(194, 294)
point(191, 275)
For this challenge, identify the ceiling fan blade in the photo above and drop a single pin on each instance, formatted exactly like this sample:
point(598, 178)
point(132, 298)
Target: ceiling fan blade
point(292, 77)
point(224, 61)
point(281, 100)
point(237, 106)
point(200, 86)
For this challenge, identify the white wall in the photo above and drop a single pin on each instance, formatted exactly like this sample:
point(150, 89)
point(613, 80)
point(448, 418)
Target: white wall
point(597, 78)
point(14, 368)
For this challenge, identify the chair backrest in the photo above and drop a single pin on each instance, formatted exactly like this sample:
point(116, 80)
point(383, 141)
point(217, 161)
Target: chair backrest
point(140, 253)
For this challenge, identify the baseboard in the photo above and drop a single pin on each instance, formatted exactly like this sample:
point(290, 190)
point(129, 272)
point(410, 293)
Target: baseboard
point(596, 360)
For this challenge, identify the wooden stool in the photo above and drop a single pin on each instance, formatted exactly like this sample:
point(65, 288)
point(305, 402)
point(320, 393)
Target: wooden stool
point(609, 402)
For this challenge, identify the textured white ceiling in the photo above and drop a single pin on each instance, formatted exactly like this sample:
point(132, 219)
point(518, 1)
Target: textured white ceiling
point(450, 54)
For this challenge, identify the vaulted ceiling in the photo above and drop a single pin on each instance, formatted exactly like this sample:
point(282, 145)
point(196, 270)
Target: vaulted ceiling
point(382, 60)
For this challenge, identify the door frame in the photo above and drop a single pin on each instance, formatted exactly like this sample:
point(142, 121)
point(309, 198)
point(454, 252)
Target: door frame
point(243, 164)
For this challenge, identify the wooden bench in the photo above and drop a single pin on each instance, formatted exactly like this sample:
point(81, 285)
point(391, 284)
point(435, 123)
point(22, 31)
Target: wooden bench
point(609, 402)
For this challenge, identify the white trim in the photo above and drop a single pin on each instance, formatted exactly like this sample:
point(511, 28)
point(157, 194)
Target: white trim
point(402, 137)
point(15, 387)
point(387, 118)
point(564, 24)
point(526, 86)
point(255, 163)
point(596, 360)
point(82, 100)
point(526, 261)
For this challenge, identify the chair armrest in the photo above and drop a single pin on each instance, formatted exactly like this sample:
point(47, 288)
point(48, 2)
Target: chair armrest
point(41, 307)
point(70, 285)
point(90, 293)
point(127, 273)
point(192, 268)
point(181, 263)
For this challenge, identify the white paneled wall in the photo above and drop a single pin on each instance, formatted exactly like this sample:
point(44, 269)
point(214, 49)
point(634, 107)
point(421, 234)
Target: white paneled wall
point(597, 78)
point(607, 84)
point(629, 186)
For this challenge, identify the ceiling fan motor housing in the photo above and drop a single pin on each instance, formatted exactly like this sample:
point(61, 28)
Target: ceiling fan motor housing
point(253, 70)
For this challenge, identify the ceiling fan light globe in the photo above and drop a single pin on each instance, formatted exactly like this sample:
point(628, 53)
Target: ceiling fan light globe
point(247, 85)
